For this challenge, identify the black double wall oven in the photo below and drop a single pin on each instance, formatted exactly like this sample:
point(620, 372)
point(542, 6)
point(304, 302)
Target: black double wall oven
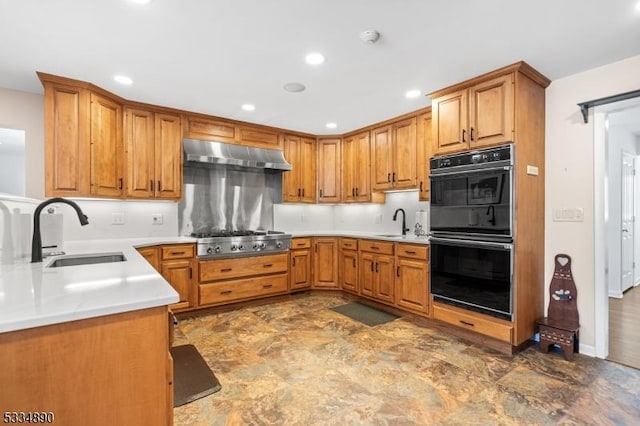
point(471, 227)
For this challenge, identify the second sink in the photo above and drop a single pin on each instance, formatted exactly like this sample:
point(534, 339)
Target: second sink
point(87, 259)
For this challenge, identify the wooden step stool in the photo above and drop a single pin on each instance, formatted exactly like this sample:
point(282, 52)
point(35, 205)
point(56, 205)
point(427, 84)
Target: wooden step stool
point(562, 333)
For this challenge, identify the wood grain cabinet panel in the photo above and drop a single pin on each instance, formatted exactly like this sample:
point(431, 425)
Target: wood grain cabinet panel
point(500, 330)
point(381, 158)
point(349, 270)
point(325, 263)
point(450, 122)
point(412, 285)
point(223, 292)
point(393, 155)
point(424, 143)
point(300, 274)
point(107, 152)
point(67, 149)
point(197, 127)
point(168, 157)
point(225, 269)
point(329, 163)
point(299, 184)
point(377, 270)
point(179, 273)
point(152, 255)
point(356, 168)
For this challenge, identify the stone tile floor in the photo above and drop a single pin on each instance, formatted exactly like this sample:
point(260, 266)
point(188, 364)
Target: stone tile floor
point(296, 362)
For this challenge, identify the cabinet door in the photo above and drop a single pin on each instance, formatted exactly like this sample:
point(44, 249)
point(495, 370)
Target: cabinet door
point(349, 270)
point(179, 273)
point(168, 157)
point(107, 152)
point(385, 278)
point(139, 143)
point(152, 256)
point(308, 176)
point(423, 153)
point(366, 274)
point(300, 275)
point(349, 168)
point(404, 174)
point(362, 166)
point(66, 149)
point(325, 263)
point(450, 123)
point(491, 112)
point(291, 179)
point(329, 162)
point(381, 158)
point(412, 285)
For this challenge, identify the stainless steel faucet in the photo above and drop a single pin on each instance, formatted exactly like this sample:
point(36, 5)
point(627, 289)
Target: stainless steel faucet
point(36, 241)
point(404, 223)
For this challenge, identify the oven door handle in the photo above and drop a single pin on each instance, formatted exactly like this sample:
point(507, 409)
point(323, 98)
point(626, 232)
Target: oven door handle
point(471, 243)
point(470, 171)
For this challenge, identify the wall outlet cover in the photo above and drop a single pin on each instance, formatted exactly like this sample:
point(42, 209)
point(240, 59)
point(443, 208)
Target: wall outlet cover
point(157, 219)
point(117, 218)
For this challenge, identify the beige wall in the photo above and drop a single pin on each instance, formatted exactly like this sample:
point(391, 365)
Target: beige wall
point(570, 171)
point(25, 111)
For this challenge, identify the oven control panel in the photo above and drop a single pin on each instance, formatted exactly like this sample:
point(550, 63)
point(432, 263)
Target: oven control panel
point(502, 154)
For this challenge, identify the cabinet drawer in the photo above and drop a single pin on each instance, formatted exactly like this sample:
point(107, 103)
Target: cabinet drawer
point(413, 251)
point(300, 243)
point(495, 329)
point(179, 251)
point(224, 269)
point(229, 291)
point(374, 246)
point(348, 244)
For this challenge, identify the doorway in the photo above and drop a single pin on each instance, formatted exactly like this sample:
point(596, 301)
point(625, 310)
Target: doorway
point(617, 205)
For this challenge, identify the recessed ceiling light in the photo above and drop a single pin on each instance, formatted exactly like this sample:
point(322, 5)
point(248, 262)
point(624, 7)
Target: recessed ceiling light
point(248, 107)
point(123, 79)
point(141, 1)
point(294, 87)
point(331, 125)
point(638, 7)
point(314, 58)
point(413, 94)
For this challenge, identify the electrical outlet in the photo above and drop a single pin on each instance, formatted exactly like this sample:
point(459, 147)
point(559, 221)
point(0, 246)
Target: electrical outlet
point(568, 215)
point(117, 218)
point(157, 219)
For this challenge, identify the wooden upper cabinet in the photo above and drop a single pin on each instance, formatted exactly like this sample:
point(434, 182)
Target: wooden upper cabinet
point(356, 168)
point(197, 127)
point(480, 116)
point(381, 158)
point(107, 153)
point(139, 143)
point(260, 137)
point(168, 156)
point(450, 122)
point(299, 184)
point(491, 112)
point(393, 155)
point(67, 152)
point(154, 154)
point(423, 153)
point(329, 163)
point(404, 174)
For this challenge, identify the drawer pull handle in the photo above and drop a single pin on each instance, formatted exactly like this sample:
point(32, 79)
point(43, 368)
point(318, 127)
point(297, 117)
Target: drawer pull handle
point(397, 271)
point(300, 244)
point(354, 262)
point(267, 265)
point(293, 262)
point(226, 269)
point(421, 186)
point(347, 244)
point(410, 252)
point(225, 292)
point(267, 286)
point(470, 324)
point(375, 248)
point(177, 253)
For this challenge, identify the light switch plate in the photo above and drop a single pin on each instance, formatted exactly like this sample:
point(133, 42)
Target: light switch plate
point(574, 214)
point(117, 218)
point(532, 170)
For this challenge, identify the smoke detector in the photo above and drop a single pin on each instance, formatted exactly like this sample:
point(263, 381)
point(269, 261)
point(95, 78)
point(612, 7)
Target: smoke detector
point(369, 36)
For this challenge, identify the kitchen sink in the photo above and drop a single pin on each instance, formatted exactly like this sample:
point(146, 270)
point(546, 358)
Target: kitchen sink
point(392, 236)
point(87, 259)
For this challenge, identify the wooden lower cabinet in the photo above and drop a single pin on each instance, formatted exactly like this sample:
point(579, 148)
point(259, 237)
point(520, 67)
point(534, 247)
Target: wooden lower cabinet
point(377, 272)
point(218, 293)
point(349, 270)
point(300, 270)
point(231, 280)
point(108, 370)
point(325, 263)
point(472, 321)
point(412, 277)
point(176, 263)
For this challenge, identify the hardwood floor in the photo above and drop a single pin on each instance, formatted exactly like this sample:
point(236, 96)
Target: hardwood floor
point(624, 328)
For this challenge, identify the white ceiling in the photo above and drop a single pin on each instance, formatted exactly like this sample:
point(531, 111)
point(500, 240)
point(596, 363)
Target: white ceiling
point(212, 56)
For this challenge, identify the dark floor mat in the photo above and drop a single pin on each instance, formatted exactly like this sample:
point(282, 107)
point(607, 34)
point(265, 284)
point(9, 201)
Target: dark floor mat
point(365, 314)
point(192, 377)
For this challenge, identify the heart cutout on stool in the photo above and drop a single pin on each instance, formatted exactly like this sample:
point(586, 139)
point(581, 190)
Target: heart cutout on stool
point(563, 260)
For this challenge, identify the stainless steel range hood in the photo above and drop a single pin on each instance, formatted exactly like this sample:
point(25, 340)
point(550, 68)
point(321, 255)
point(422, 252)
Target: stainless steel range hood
point(198, 152)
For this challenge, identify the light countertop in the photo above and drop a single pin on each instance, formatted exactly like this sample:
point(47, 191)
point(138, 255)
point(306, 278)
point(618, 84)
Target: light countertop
point(409, 238)
point(33, 295)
